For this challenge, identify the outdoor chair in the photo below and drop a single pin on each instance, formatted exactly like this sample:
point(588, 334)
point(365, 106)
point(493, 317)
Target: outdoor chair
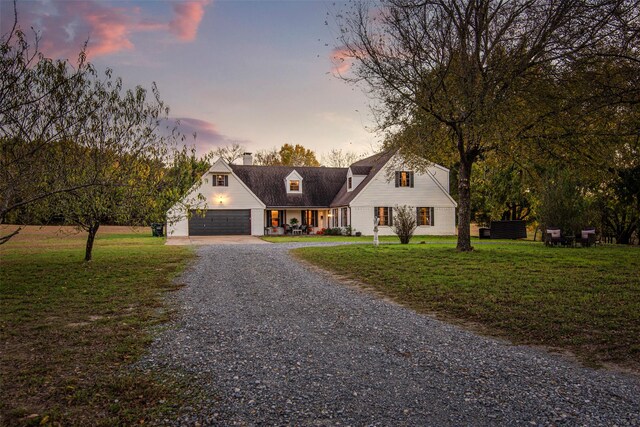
point(287, 229)
point(588, 237)
point(554, 237)
point(304, 229)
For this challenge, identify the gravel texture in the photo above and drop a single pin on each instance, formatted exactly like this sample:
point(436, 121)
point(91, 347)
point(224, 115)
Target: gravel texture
point(268, 341)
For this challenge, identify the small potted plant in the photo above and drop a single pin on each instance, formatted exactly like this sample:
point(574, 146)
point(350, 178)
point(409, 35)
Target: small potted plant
point(293, 222)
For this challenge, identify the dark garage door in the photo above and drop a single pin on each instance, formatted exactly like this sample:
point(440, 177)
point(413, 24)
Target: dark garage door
point(220, 223)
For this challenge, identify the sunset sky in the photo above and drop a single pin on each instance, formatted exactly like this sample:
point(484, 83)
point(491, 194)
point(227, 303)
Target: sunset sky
point(259, 73)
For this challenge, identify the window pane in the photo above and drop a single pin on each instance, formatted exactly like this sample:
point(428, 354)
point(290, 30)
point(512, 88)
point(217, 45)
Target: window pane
point(424, 217)
point(294, 185)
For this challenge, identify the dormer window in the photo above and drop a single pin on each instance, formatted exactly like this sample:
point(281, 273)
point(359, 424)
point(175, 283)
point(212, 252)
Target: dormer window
point(350, 183)
point(293, 183)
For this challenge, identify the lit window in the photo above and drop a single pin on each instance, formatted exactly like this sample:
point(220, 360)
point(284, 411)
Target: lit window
point(220, 180)
point(277, 218)
point(384, 213)
point(294, 185)
point(404, 179)
point(425, 216)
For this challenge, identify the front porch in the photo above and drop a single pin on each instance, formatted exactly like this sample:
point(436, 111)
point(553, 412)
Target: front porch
point(295, 221)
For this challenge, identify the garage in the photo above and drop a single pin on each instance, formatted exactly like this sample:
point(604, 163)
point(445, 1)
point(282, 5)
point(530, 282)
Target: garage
point(220, 223)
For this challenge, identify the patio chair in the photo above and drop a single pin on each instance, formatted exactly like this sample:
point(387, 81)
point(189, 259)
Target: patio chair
point(554, 237)
point(287, 229)
point(304, 229)
point(588, 237)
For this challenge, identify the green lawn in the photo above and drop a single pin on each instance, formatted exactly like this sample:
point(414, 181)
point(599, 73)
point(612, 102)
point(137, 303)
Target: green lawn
point(585, 300)
point(70, 330)
point(361, 239)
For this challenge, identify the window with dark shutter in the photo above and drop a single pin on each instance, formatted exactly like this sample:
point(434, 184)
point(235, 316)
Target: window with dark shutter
point(385, 214)
point(424, 216)
point(220, 180)
point(404, 179)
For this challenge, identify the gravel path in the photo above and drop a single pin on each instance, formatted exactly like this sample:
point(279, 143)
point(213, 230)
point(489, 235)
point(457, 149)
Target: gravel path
point(271, 342)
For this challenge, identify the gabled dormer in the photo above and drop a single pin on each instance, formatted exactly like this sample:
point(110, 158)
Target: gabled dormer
point(293, 183)
point(355, 177)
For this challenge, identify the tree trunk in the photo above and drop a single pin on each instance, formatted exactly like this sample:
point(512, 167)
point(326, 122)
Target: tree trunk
point(93, 230)
point(464, 207)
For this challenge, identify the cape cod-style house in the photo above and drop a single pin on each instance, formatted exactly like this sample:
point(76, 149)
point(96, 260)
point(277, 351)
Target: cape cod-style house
point(257, 200)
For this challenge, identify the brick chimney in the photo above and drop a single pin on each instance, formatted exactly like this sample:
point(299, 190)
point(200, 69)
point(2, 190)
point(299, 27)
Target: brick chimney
point(247, 159)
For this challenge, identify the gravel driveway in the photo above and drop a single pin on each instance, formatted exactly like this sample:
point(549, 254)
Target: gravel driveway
point(271, 342)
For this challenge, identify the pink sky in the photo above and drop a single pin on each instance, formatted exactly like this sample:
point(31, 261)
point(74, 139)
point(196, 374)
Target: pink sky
point(260, 73)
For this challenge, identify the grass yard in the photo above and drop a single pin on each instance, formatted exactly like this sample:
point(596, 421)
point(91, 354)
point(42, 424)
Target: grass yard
point(70, 330)
point(584, 300)
point(361, 239)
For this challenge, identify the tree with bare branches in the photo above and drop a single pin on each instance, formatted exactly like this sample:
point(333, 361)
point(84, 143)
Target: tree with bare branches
point(230, 153)
point(460, 80)
point(337, 158)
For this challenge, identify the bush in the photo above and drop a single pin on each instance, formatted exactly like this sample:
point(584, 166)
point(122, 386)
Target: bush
point(404, 223)
point(337, 231)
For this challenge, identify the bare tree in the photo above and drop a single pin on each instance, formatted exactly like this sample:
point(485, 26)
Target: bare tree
point(454, 75)
point(336, 158)
point(404, 223)
point(230, 153)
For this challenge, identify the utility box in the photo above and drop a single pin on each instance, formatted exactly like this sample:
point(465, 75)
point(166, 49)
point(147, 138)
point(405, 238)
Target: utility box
point(508, 230)
point(157, 229)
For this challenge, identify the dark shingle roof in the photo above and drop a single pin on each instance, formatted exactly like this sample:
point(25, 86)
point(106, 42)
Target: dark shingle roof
point(319, 184)
point(374, 164)
point(360, 170)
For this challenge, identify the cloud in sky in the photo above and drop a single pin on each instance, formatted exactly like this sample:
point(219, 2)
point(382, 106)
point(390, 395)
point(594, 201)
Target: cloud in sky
point(207, 135)
point(66, 25)
point(187, 18)
point(341, 59)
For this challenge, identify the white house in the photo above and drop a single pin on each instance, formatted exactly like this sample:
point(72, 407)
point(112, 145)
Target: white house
point(258, 200)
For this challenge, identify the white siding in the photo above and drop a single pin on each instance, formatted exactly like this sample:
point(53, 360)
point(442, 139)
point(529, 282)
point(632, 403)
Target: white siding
point(179, 227)
point(444, 219)
point(257, 222)
point(442, 175)
point(235, 196)
point(425, 193)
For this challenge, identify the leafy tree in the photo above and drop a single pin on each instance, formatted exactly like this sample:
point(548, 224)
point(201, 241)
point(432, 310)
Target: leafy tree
point(619, 204)
point(502, 192)
point(40, 100)
point(404, 223)
point(336, 158)
point(121, 146)
point(458, 78)
point(267, 157)
point(287, 155)
point(565, 201)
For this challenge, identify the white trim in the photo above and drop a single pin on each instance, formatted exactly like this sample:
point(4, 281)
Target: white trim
point(293, 176)
point(228, 168)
